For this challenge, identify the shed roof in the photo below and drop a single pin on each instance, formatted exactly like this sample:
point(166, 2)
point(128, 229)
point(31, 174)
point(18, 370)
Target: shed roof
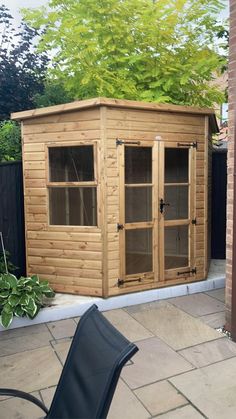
point(119, 103)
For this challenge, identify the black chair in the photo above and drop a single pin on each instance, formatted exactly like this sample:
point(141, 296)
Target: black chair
point(88, 380)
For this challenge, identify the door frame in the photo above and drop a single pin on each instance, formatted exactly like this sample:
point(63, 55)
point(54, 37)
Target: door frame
point(143, 277)
point(175, 274)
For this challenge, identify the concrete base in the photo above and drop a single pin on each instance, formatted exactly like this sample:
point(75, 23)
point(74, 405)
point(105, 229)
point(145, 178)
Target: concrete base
point(65, 305)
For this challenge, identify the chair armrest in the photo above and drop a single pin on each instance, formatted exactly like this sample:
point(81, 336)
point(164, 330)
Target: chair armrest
point(23, 395)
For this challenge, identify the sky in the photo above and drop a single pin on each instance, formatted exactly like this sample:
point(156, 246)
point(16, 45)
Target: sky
point(15, 5)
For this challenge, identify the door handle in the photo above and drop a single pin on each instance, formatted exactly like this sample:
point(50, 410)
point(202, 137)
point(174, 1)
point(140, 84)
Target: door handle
point(162, 205)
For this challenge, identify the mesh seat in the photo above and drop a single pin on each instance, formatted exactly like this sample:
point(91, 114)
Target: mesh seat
point(91, 371)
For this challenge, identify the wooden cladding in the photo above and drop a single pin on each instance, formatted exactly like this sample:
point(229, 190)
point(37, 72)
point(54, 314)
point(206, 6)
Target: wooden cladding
point(96, 164)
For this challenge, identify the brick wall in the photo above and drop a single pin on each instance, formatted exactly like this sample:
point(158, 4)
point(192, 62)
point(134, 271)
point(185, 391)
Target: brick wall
point(230, 164)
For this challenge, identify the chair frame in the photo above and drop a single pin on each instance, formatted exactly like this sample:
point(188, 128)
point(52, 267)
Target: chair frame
point(107, 398)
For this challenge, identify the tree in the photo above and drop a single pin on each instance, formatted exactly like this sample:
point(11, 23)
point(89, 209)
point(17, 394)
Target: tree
point(54, 93)
point(22, 69)
point(159, 50)
point(10, 141)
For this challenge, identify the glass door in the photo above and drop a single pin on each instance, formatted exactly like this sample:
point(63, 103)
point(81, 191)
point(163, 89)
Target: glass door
point(136, 213)
point(176, 210)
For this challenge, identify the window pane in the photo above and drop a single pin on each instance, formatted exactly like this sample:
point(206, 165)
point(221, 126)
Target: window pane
point(138, 204)
point(176, 165)
point(138, 165)
point(138, 244)
point(176, 247)
point(73, 206)
point(71, 164)
point(177, 197)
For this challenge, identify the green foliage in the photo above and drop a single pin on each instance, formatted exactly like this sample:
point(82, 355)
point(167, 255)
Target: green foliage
point(10, 266)
point(21, 297)
point(10, 141)
point(161, 51)
point(54, 93)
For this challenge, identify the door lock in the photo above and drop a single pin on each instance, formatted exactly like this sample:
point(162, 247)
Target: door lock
point(163, 205)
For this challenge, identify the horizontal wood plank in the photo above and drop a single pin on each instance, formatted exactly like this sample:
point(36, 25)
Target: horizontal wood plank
point(60, 137)
point(68, 271)
point(73, 246)
point(61, 127)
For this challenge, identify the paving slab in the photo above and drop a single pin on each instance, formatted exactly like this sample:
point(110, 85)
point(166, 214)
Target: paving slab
point(177, 328)
point(15, 408)
point(62, 328)
point(186, 412)
point(209, 352)
point(62, 347)
point(215, 320)
point(30, 370)
point(211, 389)
point(198, 304)
point(127, 325)
point(24, 343)
point(126, 405)
point(47, 395)
point(23, 331)
point(154, 361)
point(160, 397)
point(219, 294)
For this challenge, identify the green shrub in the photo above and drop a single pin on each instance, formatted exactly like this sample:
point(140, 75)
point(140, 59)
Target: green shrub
point(21, 297)
point(10, 266)
point(10, 141)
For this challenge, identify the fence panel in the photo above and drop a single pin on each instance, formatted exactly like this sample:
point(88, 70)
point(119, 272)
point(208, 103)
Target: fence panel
point(12, 213)
point(218, 219)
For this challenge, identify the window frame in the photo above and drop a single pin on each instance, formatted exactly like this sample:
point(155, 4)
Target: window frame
point(85, 184)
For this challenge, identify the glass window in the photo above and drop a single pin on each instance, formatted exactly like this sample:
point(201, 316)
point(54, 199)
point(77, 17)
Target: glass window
point(71, 164)
point(74, 204)
point(138, 245)
point(176, 165)
point(177, 198)
point(176, 247)
point(138, 204)
point(138, 165)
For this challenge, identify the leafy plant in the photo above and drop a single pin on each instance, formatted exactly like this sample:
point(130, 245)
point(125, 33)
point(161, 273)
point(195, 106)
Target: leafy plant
point(153, 50)
point(10, 141)
point(54, 93)
point(10, 266)
point(21, 297)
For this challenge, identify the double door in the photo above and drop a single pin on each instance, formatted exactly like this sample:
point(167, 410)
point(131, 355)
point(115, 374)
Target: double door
point(157, 211)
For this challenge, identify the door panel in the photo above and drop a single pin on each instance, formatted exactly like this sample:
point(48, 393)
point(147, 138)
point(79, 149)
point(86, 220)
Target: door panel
point(136, 212)
point(176, 195)
point(156, 212)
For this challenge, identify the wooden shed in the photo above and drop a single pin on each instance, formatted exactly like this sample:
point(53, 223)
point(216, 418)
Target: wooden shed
point(117, 194)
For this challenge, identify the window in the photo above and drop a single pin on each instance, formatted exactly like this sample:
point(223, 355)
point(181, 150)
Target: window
point(72, 186)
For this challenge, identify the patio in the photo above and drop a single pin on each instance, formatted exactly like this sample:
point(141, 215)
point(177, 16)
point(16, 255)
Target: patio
point(184, 368)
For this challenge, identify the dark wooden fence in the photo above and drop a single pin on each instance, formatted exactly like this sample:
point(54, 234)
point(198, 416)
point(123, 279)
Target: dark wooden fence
point(12, 213)
point(218, 219)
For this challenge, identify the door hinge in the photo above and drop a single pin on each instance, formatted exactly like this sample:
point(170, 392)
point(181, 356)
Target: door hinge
point(194, 221)
point(120, 142)
point(191, 271)
point(194, 144)
point(121, 282)
point(120, 227)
